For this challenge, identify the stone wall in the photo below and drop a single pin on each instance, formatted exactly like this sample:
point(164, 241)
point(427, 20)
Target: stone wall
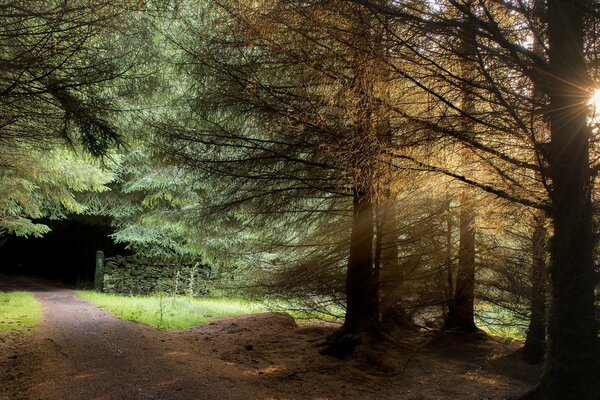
point(143, 275)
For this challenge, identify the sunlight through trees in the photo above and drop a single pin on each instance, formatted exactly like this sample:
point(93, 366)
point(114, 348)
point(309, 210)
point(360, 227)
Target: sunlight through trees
point(399, 164)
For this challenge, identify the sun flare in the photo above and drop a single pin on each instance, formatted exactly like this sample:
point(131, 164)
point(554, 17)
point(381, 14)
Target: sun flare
point(594, 104)
point(595, 100)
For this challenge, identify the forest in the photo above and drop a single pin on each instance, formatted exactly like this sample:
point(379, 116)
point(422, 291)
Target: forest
point(389, 166)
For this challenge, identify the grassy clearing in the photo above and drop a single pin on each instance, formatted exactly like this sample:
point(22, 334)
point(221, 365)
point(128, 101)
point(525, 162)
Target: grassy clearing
point(18, 311)
point(168, 312)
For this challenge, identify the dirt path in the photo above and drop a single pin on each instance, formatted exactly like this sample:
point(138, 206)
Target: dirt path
point(80, 352)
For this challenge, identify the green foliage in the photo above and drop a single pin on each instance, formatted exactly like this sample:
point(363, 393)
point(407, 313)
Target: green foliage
point(18, 311)
point(170, 312)
point(64, 75)
point(153, 197)
point(60, 63)
point(44, 184)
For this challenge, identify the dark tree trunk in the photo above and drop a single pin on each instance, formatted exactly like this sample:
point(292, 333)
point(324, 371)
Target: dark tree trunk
point(461, 307)
point(392, 276)
point(362, 288)
point(378, 242)
point(535, 342)
point(449, 251)
point(445, 273)
point(572, 370)
point(362, 285)
point(362, 275)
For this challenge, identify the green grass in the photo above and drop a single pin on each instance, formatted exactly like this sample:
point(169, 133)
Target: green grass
point(304, 314)
point(499, 322)
point(18, 311)
point(168, 312)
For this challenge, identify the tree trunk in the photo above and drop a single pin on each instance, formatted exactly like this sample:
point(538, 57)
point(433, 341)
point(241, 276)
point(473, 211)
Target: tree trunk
point(449, 250)
point(461, 307)
point(572, 370)
point(535, 342)
point(392, 277)
point(362, 285)
point(362, 288)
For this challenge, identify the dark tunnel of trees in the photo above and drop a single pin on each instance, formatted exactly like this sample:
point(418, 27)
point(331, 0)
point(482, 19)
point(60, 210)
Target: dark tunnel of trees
point(66, 254)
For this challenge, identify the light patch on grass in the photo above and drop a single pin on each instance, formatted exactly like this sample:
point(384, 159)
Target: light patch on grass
point(304, 315)
point(499, 322)
point(169, 312)
point(18, 311)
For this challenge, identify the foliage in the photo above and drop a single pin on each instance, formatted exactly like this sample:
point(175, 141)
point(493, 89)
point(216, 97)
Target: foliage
point(64, 69)
point(59, 63)
point(44, 184)
point(18, 311)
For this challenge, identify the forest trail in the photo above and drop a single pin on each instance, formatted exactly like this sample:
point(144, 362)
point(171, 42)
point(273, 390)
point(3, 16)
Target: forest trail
point(81, 352)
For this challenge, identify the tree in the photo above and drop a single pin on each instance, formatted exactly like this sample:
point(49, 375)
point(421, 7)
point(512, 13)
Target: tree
point(461, 308)
point(57, 64)
point(535, 342)
point(67, 72)
point(289, 115)
point(44, 184)
point(508, 72)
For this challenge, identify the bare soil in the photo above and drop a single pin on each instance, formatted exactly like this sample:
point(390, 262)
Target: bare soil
point(80, 352)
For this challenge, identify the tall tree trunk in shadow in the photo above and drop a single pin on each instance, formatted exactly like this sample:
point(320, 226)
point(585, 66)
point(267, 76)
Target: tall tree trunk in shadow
point(461, 307)
point(572, 369)
point(392, 277)
point(362, 286)
point(449, 249)
point(362, 289)
point(535, 342)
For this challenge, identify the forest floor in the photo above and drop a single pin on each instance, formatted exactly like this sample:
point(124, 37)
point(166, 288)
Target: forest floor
point(79, 351)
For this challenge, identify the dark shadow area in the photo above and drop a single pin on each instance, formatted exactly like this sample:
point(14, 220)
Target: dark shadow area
point(66, 254)
point(20, 283)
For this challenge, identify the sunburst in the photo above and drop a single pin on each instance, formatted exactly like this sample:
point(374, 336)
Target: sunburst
point(594, 101)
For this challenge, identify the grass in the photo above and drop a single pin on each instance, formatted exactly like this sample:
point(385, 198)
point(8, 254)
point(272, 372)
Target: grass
point(303, 313)
point(18, 311)
point(169, 312)
point(499, 322)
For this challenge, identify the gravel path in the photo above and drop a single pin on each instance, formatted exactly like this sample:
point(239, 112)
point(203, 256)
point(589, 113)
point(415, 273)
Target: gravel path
point(80, 352)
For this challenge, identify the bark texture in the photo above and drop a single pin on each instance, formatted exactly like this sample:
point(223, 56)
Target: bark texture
point(362, 284)
point(535, 342)
point(362, 288)
point(461, 307)
point(571, 370)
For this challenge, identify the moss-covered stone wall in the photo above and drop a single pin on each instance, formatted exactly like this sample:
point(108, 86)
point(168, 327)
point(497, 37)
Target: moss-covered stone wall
point(143, 275)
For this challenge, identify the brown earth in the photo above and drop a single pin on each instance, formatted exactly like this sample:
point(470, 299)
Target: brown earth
point(80, 352)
